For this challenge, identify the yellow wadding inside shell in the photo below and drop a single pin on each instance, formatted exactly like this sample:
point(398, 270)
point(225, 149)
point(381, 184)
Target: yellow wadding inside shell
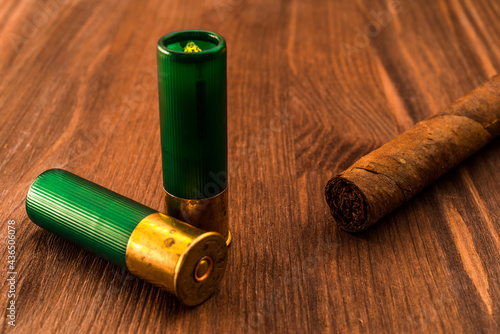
point(191, 47)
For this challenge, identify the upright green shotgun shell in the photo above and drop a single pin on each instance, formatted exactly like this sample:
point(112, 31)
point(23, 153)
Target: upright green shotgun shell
point(193, 121)
point(162, 250)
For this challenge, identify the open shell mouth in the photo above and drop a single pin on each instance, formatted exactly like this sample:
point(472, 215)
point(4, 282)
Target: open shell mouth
point(192, 44)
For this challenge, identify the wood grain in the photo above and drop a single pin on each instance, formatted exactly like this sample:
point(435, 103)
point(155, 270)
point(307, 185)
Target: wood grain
point(78, 91)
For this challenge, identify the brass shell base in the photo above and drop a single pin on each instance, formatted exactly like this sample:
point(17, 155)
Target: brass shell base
point(177, 257)
point(208, 214)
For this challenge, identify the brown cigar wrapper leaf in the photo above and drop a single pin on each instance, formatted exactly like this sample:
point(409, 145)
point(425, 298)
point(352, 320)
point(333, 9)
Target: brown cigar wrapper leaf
point(382, 180)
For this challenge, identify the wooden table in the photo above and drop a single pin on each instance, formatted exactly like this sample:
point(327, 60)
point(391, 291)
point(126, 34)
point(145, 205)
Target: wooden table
point(312, 86)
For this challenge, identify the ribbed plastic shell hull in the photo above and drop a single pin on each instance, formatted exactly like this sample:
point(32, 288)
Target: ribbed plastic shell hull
point(193, 121)
point(95, 218)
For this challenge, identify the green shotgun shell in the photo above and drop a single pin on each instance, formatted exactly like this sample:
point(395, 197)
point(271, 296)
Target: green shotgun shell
point(160, 249)
point(192, 89)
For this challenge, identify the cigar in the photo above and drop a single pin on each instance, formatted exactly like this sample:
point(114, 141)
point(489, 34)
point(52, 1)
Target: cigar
point(382, 180)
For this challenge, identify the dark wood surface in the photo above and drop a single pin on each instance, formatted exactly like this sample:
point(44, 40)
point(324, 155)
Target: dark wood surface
point(308, 95)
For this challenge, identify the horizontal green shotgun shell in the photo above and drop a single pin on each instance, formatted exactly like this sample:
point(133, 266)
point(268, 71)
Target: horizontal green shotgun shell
point(193, 113)
point(164, 251)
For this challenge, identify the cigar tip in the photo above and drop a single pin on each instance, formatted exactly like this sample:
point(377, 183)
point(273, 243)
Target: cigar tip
point(347, 204)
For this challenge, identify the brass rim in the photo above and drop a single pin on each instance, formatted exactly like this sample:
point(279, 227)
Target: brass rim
point(208, 214)
point(167, 252)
